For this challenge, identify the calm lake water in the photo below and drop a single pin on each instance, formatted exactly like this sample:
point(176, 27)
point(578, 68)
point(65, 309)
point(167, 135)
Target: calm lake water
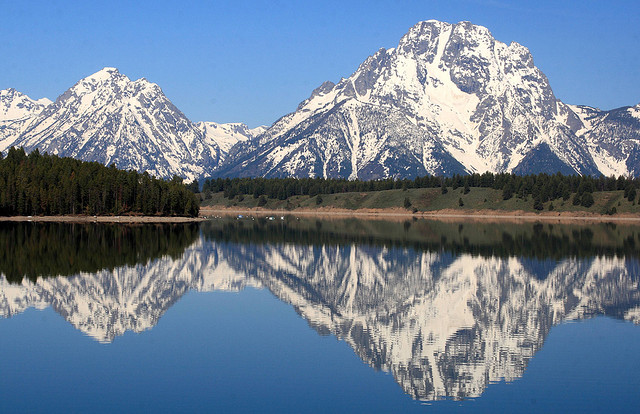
point(293, 315)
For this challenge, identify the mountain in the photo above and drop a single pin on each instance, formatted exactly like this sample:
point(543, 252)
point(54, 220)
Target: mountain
point(110, 119)
point(15, 110)
point(15, 105)
point(448, 99)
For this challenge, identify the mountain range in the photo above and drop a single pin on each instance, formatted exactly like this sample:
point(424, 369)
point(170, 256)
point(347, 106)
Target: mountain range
point(450, 98)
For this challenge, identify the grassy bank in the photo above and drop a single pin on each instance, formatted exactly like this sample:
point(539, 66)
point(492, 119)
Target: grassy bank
point(432, 199)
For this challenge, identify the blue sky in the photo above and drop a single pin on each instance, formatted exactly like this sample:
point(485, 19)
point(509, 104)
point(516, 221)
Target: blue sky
point(254, 61)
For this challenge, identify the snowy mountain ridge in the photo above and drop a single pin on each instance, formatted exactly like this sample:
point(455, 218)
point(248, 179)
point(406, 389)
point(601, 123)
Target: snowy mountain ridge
point(449, 99)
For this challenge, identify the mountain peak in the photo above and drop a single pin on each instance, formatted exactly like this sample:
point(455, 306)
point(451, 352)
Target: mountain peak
point(105, 75)
point(429, 27)
point(107, 71)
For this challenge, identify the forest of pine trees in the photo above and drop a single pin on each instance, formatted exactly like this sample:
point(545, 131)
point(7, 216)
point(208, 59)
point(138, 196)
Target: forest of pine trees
point(541, 187)
point(43, 184)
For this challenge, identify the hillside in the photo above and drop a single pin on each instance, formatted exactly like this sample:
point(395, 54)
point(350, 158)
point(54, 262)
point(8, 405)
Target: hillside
point(431, 200)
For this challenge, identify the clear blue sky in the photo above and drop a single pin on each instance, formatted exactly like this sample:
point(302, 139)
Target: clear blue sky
point(254, 61)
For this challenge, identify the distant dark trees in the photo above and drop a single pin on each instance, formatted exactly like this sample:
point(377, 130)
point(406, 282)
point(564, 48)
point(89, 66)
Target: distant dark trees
point(43, 184)
point(541, 187)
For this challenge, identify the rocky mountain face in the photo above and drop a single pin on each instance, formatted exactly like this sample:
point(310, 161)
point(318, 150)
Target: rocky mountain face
point(444, 325)
point(612, 137)
point(110, 119)
point(448, 99)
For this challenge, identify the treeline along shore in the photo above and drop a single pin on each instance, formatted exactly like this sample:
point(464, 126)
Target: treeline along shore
point(47, 185)
point(44, 184)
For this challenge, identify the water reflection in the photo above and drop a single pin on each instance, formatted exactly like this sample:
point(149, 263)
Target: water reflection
point(447, 308)
point(32, 250)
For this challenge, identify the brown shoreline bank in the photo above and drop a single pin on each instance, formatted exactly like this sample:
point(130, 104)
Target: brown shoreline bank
point(447, 215)
point(103, 219)
point(327, 212)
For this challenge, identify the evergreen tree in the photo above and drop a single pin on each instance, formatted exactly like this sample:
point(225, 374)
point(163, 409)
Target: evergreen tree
point(586, 200)
point(537, 204)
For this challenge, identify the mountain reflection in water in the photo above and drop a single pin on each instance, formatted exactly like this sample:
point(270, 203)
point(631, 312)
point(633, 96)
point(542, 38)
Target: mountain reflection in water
point(447, 308)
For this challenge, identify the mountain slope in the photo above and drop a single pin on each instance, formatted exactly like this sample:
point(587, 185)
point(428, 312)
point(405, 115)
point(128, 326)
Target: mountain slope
point(16, 109)
point(613, 138)
point(226, 136)
point(449, 98)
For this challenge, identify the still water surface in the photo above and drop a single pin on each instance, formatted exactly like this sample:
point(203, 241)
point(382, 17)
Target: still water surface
point(319, 316)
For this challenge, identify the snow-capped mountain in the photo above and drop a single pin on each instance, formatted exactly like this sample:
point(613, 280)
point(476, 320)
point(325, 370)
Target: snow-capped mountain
point(110, 119)
point(15, 110)
point(15, 105)
point(444, 325)
point(449, 98)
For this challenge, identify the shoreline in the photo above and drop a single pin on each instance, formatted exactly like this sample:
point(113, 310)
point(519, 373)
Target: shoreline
point(447, 214)
point(327, 212)
point(103, 219)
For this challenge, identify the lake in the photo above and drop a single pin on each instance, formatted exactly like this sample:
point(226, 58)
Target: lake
point(320, 315)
